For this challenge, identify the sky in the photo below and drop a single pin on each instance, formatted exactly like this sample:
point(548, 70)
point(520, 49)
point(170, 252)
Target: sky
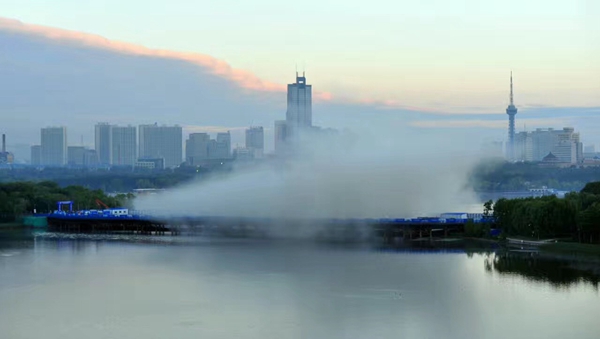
point(439, 63)
point(433, 54)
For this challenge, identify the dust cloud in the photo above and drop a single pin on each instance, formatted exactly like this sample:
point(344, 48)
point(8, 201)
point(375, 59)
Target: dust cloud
point(341, 175)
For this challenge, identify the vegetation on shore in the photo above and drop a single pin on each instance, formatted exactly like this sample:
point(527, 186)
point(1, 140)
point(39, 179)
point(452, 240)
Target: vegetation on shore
point(22, 198)
point(577, 216)
point(108, 180)
point(497, 176)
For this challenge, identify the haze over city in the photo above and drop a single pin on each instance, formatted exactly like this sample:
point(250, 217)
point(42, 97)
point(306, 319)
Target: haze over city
point(307, 169)
point(389, 65)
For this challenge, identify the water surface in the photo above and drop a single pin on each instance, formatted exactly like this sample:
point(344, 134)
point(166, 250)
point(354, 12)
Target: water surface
point(54, 286)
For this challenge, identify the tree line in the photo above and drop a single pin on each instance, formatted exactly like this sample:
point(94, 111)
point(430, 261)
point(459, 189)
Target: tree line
point(576, 216)
point(497, 176)
point(22, 198)
point(112, 180)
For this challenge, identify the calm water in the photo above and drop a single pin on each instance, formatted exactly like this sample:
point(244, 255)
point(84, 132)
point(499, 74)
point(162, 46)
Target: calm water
point(53, 287)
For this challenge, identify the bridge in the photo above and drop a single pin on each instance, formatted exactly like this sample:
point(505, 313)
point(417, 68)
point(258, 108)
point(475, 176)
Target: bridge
point(384, 228)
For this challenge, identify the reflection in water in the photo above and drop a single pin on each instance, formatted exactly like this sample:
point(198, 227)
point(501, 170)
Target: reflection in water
point(106, 286)
point(535, 267)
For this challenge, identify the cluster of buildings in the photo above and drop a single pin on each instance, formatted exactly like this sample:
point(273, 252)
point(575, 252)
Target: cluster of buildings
point(200, 149)
point(154, 146)
point(560, 147)
point(147, 146)
point(157, 147)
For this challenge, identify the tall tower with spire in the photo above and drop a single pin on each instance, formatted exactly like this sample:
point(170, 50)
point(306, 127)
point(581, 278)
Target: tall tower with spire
point(511, 110)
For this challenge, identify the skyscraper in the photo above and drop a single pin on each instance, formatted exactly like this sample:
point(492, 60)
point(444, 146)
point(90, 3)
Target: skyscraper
point(124, 146)
point(299, 104)
point(221, 149)
point(161, 142)
point(564, 144)
point(103, 143)
point(511, 110)
point(76, 155)
point(36, 155)
point(196, 148)
point(54, 146)
point(280, 136)
point(255, 141)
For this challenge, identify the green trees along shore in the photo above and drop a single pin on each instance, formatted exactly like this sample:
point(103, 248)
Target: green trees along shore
point(576, 216)
point(21, 198)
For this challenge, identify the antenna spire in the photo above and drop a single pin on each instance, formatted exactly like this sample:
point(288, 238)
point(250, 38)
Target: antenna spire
point(511, 90)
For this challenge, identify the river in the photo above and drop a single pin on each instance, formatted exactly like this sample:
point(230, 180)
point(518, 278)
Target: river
point(57, 286)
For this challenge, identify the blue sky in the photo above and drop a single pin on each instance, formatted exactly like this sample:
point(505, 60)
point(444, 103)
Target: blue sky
point(451, 56)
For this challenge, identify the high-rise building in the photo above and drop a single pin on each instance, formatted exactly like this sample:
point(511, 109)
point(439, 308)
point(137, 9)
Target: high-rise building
point(281, 135)
point(200, 148)
point(76, 156)
point(124, 146)
point(222, 147)
point(299, 104)
point(91, 158)
point(564, 144)
point(511, 110)
point(255, 141)
point(298, 118)
point(523, 149)
point(5, 156)
point(196, 148)
point(161, 142)
point(103, 143)
point(36, 155)
point(54, 146)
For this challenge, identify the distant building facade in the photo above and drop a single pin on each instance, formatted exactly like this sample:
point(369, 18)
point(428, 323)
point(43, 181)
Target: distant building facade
point(298, 117)
point(564, 144)
point(36, 155)
point(5, 156)
point(103, 142)
point(54, 146)
point(201, 149)
point(255, 141)
point(196, 148)
point(91, 158)
point(123, 145)
point(299, 104)
point(280, 136)
point(76, 156)
point(150, 163)
point(161, 142)
point(221, 148)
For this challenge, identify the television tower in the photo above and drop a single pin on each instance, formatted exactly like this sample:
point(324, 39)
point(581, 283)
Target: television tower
point(511, 110)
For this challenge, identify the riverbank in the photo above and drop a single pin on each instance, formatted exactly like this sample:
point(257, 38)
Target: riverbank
point(592, 251)
point(12, 226)
point(572, 248)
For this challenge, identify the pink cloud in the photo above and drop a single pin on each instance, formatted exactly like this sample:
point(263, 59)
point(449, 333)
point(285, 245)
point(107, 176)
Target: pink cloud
point(243, 78)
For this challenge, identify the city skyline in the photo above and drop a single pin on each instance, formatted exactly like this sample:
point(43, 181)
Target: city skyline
point(210, 96)
point(116, 145)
